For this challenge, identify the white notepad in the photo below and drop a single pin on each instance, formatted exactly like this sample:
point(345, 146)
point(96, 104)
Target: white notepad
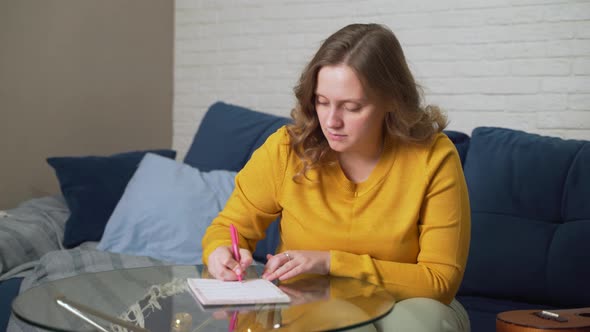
point(251, 291)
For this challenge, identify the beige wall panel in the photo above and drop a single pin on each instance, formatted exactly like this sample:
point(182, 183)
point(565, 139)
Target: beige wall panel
point(80, 78)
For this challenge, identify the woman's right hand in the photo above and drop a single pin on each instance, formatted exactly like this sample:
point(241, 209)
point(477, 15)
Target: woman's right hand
point(222, 265)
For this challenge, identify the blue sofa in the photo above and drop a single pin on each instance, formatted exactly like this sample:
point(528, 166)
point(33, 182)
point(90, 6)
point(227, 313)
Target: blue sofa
point(530, 202)
point(530, 236)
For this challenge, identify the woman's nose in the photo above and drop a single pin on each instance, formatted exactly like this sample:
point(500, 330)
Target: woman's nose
point(334, 118)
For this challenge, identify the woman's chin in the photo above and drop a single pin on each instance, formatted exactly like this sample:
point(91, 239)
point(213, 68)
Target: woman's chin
point(337, 146)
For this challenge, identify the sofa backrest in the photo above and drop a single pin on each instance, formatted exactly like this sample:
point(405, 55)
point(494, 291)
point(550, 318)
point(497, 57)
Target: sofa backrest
point(530, 212)
point(461, 141)
point(228, 135)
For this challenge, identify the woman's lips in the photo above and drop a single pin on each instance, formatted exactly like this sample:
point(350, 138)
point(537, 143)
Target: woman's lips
point(336, 137)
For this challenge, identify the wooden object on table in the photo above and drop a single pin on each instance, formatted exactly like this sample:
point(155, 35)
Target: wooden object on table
point(567, 320)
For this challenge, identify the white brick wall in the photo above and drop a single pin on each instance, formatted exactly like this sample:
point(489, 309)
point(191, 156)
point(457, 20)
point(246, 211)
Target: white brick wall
point(522, 64)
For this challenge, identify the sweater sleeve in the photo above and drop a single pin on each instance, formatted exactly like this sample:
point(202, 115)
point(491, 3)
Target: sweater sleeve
point(254, 203)
point(444, 233)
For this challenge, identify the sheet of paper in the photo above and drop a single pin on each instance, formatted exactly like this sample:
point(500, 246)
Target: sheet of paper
point(251, 291)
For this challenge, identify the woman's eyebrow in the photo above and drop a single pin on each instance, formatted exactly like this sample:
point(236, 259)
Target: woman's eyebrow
point(358, 101)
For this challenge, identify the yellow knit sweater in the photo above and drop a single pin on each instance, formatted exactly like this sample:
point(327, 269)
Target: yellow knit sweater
point(407, 227)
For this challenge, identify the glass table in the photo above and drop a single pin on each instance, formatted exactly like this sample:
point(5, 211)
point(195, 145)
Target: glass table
point(157, 299)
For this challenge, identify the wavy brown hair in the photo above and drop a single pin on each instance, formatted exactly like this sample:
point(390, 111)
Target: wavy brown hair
point(373, 52)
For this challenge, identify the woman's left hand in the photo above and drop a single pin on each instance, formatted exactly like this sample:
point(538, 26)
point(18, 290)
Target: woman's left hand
point(295, 262)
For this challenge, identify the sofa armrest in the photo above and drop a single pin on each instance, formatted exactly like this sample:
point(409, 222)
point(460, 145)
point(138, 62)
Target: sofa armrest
point(30, 230)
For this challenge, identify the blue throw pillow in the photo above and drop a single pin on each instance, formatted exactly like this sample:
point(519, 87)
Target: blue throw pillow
point(165, 210)
point(92, 186)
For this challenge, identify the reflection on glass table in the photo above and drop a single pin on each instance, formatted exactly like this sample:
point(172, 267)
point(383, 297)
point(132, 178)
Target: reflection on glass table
point(158, 299)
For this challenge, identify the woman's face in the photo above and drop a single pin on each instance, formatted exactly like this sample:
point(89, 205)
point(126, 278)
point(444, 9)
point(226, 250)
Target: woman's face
point(350, 122)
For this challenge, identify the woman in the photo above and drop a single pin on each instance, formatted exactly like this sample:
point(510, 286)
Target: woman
point(366, 184)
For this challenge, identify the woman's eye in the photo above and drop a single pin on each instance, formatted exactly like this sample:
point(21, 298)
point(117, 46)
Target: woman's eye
point(352, 108)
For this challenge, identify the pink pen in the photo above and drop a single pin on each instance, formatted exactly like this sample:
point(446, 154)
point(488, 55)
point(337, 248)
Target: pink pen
point(234, 245)
point(233, 323)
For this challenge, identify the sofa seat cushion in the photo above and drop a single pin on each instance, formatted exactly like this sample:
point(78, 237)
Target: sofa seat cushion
point(530, 218)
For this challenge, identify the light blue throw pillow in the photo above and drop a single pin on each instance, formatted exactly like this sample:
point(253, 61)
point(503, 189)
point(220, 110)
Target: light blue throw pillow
point(165, 210)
